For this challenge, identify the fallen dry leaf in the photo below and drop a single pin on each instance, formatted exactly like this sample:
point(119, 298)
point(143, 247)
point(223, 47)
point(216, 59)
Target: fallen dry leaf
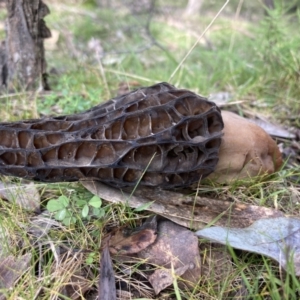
point(274, 130)
point(170, 249)
point(122, 242)
point(11, 268)
point(277, 238)
point(189, 211)
point(25, 195)
point(162, 278)
point(76, 286)
point(216, 263)
point(107, 284)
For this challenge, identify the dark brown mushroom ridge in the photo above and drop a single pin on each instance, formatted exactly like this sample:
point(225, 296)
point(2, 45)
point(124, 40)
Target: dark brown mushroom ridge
point(155, 136)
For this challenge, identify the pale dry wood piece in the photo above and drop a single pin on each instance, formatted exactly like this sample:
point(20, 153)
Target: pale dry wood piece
point(189, 211)
point(246, 151)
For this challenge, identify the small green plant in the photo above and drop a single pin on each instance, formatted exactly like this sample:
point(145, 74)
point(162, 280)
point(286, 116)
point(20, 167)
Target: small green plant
point(66, 210)
point(91, 258)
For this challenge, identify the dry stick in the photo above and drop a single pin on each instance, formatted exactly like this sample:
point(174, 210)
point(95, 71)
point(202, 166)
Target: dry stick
point(200, 37)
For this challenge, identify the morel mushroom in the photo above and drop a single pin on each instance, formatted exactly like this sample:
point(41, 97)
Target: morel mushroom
point(156, 136)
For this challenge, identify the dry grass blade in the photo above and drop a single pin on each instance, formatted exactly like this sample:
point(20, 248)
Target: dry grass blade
point(71, 279)
point(200, 37)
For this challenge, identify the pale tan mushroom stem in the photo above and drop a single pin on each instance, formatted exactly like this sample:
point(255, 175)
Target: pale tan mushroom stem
point(246, 150)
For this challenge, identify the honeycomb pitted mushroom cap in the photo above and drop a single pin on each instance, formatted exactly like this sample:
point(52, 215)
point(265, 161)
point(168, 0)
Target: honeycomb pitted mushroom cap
point(157, 136)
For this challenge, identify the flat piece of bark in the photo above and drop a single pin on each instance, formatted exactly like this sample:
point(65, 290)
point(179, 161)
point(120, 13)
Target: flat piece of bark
point(189, 211)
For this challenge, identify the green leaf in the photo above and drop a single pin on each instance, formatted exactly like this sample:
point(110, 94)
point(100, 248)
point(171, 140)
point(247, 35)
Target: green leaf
point(54, 205)
point(144, 206)
point(101, 213)
point(95, 211)
point(90, 259)
point(69, 220)
point(64, 200)
point(60, 215)
point(85, 211)
point(98, 212)
point(95, 202)
point(80, 202)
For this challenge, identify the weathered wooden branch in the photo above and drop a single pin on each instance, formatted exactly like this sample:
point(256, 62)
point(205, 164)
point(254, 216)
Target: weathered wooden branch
point(22, 55)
